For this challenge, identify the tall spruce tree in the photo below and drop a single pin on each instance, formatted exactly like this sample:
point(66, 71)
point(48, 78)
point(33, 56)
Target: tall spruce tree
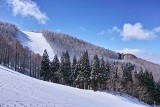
point(45, 67)
point(94, 73)
point(149, 83)
point(135, 84)
point(127, 78)
point(54, 69)
point(147, 87)
point(141, 76)
point(102, 75)
point(127, 72)
point(157, 93)
point(64, 72)
point(83, 79)
point(74, 71)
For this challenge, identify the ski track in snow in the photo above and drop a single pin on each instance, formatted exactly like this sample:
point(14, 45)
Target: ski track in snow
point(36, 42)
point(18, 90)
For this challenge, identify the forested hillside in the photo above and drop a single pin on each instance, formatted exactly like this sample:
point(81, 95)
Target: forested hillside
point(61, 42)
point(14, 55)
point(79, 64)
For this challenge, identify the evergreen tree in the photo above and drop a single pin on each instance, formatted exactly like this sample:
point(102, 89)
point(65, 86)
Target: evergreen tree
point(64, 72)
point(94, 73)
point(149, 83)
point(83, 79)
point(147, 87)
point(127, 78)
point(157, 93)
point(54, 69)
point(45, 66)
point(141, 76)
point(102, 75)
point(127, 72)
point(135, 85)
point(74, 71)
point(80, 75)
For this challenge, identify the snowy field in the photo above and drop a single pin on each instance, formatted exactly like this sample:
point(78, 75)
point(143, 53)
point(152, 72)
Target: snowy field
point(18, 90)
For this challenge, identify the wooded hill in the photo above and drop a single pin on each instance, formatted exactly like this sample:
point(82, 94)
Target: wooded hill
point(97, 68)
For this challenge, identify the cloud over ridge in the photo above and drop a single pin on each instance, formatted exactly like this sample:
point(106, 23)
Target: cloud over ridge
point(136, 31)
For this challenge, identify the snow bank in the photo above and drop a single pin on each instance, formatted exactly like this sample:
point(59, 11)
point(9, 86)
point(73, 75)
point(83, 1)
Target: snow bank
point(19, 90)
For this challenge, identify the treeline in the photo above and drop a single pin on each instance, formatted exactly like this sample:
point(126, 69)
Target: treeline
point(13, 55)
point(97, 74)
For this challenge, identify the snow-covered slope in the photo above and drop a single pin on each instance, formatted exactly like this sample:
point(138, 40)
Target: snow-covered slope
point(18, 90)
point(36, 42)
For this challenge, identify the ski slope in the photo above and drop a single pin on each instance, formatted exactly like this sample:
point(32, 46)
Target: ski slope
point(18, 90)
point(35, 42)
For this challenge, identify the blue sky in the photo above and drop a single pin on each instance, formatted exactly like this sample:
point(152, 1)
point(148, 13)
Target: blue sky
point(122, 25)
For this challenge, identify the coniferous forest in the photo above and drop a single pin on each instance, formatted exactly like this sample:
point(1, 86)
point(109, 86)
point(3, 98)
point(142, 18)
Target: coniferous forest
point(99, 75)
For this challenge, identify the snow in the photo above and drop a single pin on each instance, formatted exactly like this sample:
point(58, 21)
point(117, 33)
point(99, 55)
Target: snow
point(19, 90)
point(36, 42)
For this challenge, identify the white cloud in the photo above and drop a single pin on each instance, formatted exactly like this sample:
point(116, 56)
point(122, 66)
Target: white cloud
point(101, 33)
point(130, 51)
point(157, 29)
point(27, 8)
point(135, 31)
point(115, 28)
point(104, 32)
point(83, 29)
